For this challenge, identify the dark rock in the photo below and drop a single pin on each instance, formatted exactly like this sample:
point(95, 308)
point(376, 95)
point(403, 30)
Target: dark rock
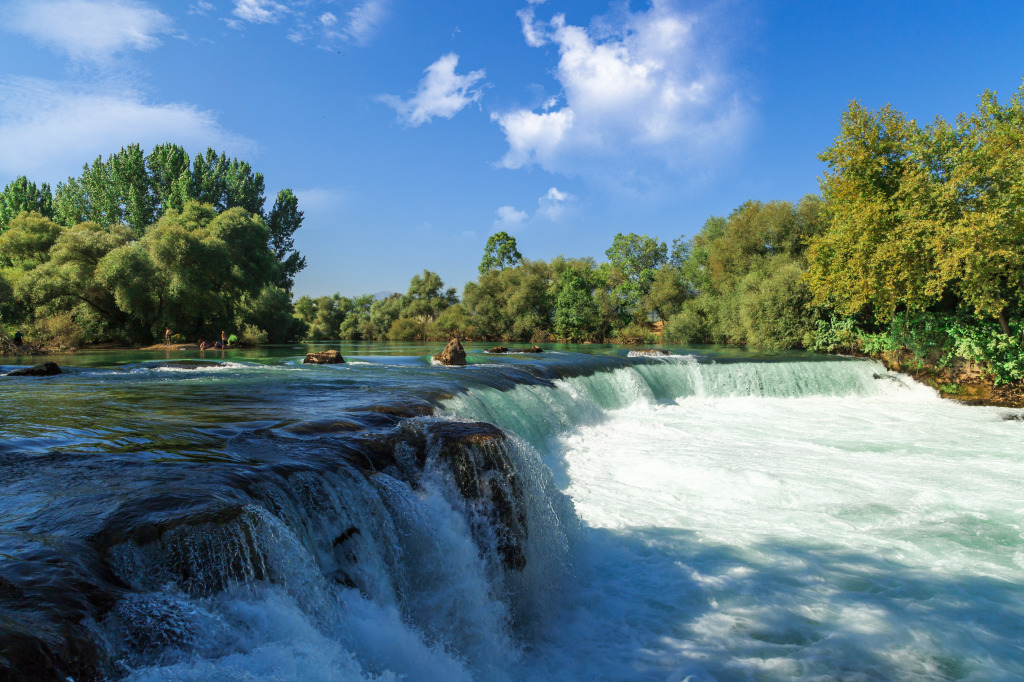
point(348, 532)
point(327, 357)
point(531, 349)
point(498, 349)
point(1014, 417)
point(47, 369)
point(647, 353)
point(478, 457)
point(453, 354)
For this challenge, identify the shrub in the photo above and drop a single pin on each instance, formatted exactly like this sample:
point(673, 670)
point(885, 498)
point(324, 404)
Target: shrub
point(405, 329)
point(253, 335)
point(834, 335)
point(634, 334)
point(689, 325)
point(59, 332)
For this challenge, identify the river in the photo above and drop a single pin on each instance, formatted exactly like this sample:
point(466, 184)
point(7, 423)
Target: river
point(572, 515)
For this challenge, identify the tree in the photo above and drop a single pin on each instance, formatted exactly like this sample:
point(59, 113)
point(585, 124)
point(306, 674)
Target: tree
point(499, 253)
point(284, 219)
point(576, 315)
point(636, 258)
point(924, 219)
point(28, 240)
point(21, 195)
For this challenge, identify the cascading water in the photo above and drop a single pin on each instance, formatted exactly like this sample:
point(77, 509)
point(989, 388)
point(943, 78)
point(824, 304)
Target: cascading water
point(650, 519)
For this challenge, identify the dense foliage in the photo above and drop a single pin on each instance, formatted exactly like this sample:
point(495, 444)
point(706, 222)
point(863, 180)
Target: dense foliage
point(925, 248)
point(137, 243)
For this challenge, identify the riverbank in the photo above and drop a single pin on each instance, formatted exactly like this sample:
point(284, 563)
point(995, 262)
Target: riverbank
point(965, 382)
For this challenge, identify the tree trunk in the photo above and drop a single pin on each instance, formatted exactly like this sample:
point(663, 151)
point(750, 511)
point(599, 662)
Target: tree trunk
point(1004, 323)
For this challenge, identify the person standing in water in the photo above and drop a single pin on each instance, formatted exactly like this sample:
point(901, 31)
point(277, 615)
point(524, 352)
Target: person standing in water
point(167, 336)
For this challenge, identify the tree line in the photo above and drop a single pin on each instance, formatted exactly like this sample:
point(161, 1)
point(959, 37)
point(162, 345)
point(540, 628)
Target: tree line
point(915, 243)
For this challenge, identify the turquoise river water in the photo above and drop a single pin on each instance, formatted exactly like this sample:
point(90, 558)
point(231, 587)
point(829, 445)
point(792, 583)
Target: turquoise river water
point(573, 515)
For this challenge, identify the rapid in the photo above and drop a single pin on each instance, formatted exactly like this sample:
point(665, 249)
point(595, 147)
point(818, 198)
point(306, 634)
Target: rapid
point(576, 515)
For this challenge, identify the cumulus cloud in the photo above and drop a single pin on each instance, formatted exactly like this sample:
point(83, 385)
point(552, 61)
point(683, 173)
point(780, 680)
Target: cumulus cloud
point(551, 207)
point(88, 30)
point(553, 204)
point(259, 11)
point(48, 129)
point(631, 92)
point(328, 19)
point(509, 218)
point(441, 92)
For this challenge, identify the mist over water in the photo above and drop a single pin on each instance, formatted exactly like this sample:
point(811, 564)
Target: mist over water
point(635, 519)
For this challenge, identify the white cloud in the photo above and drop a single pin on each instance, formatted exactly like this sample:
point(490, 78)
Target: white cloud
point(88, 30)
point(509, 218)
point(363, 20)
point(201, 8)
point(635, 92)
point(259, 11)
point(441, 92)
point(49, 129)
point(328, 19)
point(553, 204)
point(551, 207)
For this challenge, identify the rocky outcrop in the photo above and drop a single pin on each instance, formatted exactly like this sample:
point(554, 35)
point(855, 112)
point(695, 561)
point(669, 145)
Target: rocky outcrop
point(647, 353)
point(531, 349)
point(327, 357)
point(47, 369)
point(453, 354)
point(498, 349)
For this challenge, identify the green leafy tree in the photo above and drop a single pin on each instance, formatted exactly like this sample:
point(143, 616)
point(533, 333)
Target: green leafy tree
point(500, 252)
point(170, 173)
point(283, 220)
point(21, 195)
point(576, 315)
point(636, 258)
point(924, 219)
point(27, 241)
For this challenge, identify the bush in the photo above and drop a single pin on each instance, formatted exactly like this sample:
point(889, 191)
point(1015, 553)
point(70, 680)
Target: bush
point(834, 335)
point(689, 325)
point(634, 335)
point(405, 329)
point(59, 332)
point(253, 336)
point(232, 339)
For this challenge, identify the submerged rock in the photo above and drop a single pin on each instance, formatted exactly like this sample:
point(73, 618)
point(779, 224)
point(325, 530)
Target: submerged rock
point(327, 357)
point(498, 349)
point(647, 353)
point(531, 349)
point(453, 354)
point(47, 369)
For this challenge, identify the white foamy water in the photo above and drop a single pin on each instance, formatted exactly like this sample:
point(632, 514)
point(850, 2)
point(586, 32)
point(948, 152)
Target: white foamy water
point(745, 521)
point(810, 538)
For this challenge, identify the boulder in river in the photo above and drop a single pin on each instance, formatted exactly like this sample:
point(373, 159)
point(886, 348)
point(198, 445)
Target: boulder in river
point(327, 357)
point(531, 349)
point(498, 349)
point(647, 353)
point(453, 354)
point(47, 369)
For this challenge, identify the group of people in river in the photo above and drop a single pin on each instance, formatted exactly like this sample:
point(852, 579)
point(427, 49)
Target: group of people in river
point(201, 342)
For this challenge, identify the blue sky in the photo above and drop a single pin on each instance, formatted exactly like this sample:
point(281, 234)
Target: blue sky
point(412, 130)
